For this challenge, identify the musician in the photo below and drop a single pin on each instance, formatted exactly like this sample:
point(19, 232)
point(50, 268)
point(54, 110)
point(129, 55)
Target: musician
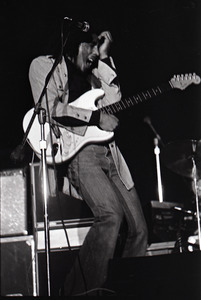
point(98, 171)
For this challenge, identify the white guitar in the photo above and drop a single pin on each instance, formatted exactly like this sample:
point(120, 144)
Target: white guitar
point(68, 144)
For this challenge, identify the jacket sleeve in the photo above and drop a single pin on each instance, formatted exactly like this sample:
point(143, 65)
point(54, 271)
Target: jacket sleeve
point(109, 82)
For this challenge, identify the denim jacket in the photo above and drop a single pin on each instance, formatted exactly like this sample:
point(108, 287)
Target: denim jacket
point(58, 94)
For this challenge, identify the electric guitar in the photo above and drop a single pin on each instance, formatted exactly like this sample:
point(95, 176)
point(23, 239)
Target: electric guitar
point(69, 143)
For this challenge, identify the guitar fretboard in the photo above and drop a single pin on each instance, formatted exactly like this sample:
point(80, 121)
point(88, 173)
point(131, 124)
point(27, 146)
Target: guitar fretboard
point(136, 99)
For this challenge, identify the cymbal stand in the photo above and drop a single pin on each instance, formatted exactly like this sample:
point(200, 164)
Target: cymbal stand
point(43, 147)
point(194, 172)
point(157, 153)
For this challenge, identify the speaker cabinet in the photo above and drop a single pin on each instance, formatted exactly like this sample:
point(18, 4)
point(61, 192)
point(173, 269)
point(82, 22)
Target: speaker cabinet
point(18, 268)
point(13, 199)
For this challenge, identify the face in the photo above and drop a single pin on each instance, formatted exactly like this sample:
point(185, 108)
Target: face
point(87, 57)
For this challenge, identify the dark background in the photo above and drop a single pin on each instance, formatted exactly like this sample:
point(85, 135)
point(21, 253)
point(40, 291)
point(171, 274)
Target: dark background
point(153, 40)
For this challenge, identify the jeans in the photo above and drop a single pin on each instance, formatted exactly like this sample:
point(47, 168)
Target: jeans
point(93, 173)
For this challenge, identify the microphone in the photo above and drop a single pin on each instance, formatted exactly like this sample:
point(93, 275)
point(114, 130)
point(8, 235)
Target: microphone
point(82, 25)
point(148, 121)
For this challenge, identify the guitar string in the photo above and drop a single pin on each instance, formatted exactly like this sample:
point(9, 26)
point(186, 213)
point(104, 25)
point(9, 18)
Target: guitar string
point(116, 107)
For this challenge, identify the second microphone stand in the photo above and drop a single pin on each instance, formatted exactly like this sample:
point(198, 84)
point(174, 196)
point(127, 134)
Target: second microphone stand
point(158, 169)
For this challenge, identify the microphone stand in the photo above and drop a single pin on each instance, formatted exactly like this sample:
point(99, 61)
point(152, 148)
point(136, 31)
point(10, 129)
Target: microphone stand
point(42, 119)
point(157, 152)
point(197, 201)
point(43, 147)
point(17, 153)
point(157, 139)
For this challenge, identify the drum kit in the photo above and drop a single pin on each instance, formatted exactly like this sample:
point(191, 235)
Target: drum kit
point(184, 158)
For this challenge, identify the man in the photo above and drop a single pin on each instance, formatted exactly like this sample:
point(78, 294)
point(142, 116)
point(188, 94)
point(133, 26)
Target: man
point(98, 171)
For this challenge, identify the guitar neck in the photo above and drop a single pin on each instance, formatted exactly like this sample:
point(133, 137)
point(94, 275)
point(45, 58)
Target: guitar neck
point(136, 99)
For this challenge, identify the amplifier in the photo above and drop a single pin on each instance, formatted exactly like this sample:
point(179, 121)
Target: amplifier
point(164, 220)
point(18, 266)
point(75, 229)
point(13, 210)
point(160, 248)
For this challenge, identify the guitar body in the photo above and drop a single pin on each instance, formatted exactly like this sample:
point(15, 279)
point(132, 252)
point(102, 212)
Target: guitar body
point(69, 143)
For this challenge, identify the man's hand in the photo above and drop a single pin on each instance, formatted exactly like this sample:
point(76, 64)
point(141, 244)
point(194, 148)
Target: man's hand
point(104, 48)
point(108, 122)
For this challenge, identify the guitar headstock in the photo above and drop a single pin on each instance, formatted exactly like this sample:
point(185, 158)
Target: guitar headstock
point(183, 81)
